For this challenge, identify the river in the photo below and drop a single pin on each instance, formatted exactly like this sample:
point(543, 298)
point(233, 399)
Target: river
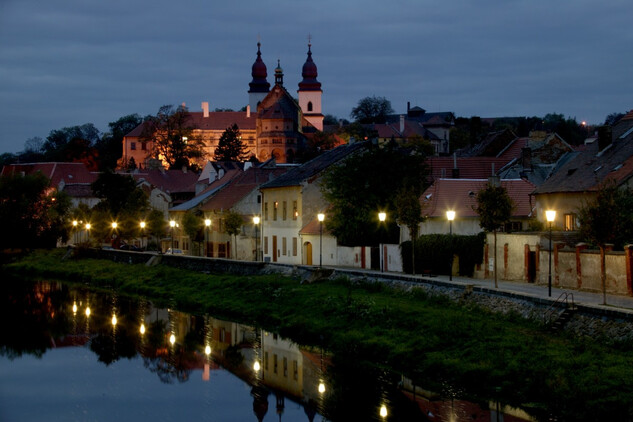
point(73, 354)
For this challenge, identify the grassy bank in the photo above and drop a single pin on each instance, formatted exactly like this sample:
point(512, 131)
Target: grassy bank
point(487, 355)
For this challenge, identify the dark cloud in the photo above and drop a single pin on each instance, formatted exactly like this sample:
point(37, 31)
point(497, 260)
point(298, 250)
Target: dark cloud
point(73, 62)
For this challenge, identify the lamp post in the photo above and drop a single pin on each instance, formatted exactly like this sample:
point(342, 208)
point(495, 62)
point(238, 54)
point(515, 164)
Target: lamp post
point(88, 225)
point(450, 216)
point(550, 215)
point(382, 217)
point(320, 217)
point(172, 224)
point(256, 222)
point(207, 224)
point(75, 223)
point(142, 224)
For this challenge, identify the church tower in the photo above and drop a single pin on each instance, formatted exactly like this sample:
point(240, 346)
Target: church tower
point(259, 86)
point(310, 92)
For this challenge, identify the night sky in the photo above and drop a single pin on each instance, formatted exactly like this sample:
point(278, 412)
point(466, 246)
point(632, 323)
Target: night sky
point(70, 62)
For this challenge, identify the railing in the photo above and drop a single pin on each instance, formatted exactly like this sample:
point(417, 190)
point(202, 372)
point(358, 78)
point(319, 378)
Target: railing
point(562, 301)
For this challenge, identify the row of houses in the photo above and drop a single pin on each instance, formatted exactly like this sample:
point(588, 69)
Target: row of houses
point(539, 172)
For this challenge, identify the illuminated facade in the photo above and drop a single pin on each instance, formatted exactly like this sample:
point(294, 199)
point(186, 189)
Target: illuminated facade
point(273, 124)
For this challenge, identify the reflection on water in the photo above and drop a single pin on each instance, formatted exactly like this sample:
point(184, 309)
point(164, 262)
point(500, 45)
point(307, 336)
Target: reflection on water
point(282, 380)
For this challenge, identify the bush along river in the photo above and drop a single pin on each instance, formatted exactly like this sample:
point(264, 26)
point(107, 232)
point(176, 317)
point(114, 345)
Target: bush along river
point(73, 354)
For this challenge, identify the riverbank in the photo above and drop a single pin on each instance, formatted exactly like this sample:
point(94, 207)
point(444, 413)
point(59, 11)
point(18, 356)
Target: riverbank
point(424, 336)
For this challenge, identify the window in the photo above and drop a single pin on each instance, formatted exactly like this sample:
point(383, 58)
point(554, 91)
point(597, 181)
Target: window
point(259, 199)
point(144, 146)
point(309, 105)
point(295, 210)
point(266, 361)
point(570, 222)
point(294, 246)
point(132, 146)
point(285, 366)
point(285, 210)
point(283, 245)
point(266, 211)
point(275, 364)
point(295, 370)
point(266, 244)
point(276, 206)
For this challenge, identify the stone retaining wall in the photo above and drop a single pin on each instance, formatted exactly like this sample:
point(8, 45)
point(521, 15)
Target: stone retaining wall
point(592, 321)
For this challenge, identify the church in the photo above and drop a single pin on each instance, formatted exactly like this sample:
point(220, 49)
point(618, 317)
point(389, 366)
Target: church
point(272, 125)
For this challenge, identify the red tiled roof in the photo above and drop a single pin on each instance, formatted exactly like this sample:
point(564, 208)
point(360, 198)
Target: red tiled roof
point(241, 186)
point(70, 173)
point(469, 167)
point(628, 116)
point(217, 120)
point(169, 180)
point(314, 227)
point(514, 149)
point(460, 195)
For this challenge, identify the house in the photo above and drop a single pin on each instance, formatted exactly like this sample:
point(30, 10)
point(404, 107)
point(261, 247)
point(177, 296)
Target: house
point(234, 190)
point(273, 124)
point(291, 202)
point(74, 179)
point(610, 157)
point(166, 188)
point(460, 195)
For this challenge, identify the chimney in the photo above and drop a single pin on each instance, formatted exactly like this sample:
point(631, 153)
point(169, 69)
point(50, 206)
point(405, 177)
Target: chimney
point(402, 125)
point(455, 172)
point(408, 107)
point(248, 111)
point(526, 158)
point(205, 109)
point(604, 137)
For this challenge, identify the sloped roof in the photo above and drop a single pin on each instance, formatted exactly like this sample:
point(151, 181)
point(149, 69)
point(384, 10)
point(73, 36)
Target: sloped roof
point(70, 173)
point(170, 181)
point(591, 167)
point(217, 120)
point(469, 167)
point(297, 175)
point(194, 202)
point(313, 227)
point(241, 186)
point(460, 195)
point(411, 128)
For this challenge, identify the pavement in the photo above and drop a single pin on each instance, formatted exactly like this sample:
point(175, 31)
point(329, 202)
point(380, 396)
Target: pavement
point(532, 290)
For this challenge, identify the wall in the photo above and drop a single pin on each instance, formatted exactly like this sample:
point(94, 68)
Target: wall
point(352, 257)
point(575, 268)
point(394, 258)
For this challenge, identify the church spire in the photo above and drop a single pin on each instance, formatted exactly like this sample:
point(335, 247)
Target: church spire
point(279, 74)
point(309, 74)
point(259, 74)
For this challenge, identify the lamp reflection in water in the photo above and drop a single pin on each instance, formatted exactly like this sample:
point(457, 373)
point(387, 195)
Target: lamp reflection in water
point(383, 411)
point(206, 374)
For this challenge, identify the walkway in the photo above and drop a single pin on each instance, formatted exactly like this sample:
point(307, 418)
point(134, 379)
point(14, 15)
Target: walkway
point(591, 299)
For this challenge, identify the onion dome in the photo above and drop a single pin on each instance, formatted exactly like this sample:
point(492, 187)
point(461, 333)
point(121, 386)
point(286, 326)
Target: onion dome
point(309, 74)
point(259, 73)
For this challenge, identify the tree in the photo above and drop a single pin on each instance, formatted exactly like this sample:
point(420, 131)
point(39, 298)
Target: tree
point(121, 202)
point(372, 110)
point(233, 225)
point(364, 184)
point(409, 213)
point(192, 226)
point(607, 220)
point(231, 147)
point(613, 118)
point(73, 144)
point(34, 213)
point(173, 136)
point(494, 207)
point(109, 146)
point(156, 225)
point(358, 132)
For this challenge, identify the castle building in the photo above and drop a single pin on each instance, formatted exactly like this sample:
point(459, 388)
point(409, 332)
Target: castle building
point(273, 124)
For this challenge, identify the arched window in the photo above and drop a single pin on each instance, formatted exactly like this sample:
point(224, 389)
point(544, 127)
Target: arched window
point(309, 105)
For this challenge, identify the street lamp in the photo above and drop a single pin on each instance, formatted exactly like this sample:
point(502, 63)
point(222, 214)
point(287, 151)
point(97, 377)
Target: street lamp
point(75, 223)
point(550, 215)
point(450, 216)
point(256, 222)
point(382, 217)
point(88, 225)
point(207, 224)
point(142, 224)
point(172, 224)
point(320, 217)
